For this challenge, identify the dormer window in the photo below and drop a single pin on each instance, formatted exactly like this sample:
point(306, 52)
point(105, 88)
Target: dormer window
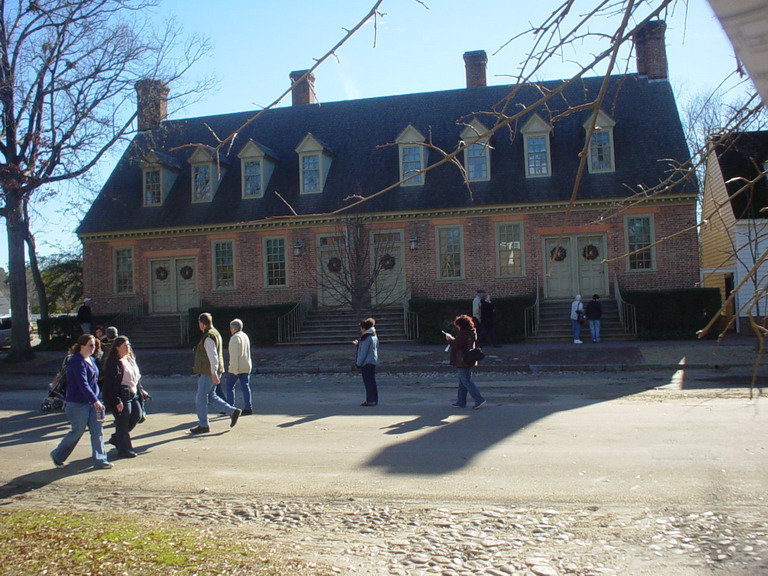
point(152, 187)
point(412, 157)
point(256, 165)
point(206, 176)
point(314, 165)
point(536, 135)
point(601, 158)
point(477, 159)
point(159, 173)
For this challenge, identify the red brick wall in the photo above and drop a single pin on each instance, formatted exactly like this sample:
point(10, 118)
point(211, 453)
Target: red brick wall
point(677, 264)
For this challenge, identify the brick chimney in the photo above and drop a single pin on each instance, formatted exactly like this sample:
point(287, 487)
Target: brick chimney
point(151, 103)
point(302, 92)
point(475, 62)
point(651, 50)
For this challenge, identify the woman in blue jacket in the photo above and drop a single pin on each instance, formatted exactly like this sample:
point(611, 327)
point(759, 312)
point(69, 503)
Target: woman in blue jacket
point(83, 405)
point(367, 359)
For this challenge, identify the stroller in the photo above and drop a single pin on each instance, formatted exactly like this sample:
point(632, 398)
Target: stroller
point(57, 390)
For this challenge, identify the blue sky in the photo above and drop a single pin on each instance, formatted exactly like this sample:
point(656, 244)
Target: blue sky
point(417, 46)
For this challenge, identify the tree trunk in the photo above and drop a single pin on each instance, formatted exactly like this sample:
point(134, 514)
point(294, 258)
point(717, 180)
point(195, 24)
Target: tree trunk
point(21, 348)
point(37, 278)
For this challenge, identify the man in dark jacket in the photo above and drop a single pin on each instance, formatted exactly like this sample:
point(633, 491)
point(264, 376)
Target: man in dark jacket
point(85, 316)
point(594, 312)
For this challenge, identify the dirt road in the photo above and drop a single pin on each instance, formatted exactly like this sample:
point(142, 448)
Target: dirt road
point(592, 473)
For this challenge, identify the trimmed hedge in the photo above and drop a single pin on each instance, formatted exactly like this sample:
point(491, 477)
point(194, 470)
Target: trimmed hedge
point(437, 315)
point(674, 314)
point(61, 332)
point(259, 322)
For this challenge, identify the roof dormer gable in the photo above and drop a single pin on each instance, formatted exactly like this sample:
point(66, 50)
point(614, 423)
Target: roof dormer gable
point(158, 175)
point(257, 162)
point(477, 158)
point(536, 133)
point(314, 164)
point(207, 174)
point(601, 149)
point(412, 156)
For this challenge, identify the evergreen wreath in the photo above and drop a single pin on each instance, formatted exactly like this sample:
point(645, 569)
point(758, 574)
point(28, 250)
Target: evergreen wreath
point(558, 254)
point(334, 265)
point(186, 272)
point(387, 262)
point(161, 272)
point(590, 252)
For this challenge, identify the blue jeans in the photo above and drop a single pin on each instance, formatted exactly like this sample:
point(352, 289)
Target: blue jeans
point(466, 385)
point(594, 330)
point(81, 416)
point(206, 394)
point(369, 381)
point(245, 386)
point(576, 327)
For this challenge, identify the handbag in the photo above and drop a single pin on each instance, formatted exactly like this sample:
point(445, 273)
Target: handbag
point(473, 355)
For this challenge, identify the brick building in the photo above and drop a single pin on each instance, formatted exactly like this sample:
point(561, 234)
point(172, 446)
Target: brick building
point(269, 217)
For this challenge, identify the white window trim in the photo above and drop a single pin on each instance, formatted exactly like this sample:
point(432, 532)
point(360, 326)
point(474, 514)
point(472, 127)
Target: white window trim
point(216, 173)
point(470, 136)
point(408, 138)
point(604, 123)
point(267, 285)
point(115, 290)
point(522, 249)
point(310, 146)
point(536, 127)
point(627, 268)
point(147, 169)
point(438, 254)
point(214, 280)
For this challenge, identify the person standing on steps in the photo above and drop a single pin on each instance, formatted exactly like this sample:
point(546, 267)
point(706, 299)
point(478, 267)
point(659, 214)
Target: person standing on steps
point(367, 358)
point(209, 365)
point(577, 318)
point(593, 312)
point(477, 310)
point(85, 316)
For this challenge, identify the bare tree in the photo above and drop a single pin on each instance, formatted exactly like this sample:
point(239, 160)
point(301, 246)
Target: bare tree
point(67, 74)
point(360, 265)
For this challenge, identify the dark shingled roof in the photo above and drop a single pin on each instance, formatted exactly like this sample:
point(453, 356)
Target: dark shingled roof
point(743, 155)
point(648, 139)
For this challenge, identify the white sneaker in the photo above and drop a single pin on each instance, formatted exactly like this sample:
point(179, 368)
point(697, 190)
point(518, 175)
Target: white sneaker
point(578, 342)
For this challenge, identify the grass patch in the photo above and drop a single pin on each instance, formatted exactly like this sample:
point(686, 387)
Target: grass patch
point(53, 543)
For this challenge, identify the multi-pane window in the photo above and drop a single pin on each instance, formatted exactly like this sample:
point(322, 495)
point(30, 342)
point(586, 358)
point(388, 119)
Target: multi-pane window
point(510, 249)
point(477, 162)
point(639, 236)
point(310, 173)
point(538, 155)
point(223, 265)
point(201, 177)
point(449, 252)
point(124, 271)
point(251, 178)
point(411, 159)
point(600, 155)
point(152, 188)
point(274, 259)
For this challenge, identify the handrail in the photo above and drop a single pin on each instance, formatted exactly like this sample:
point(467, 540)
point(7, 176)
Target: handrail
point(627, 311)
point(532, 314)
point(133, 310)
point(288, 325)
point(410, 318)
point(184, 328)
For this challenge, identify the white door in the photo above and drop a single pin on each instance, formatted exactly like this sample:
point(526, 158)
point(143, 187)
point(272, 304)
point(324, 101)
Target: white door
point(592, 274)
point(387, 262)
point(173, 285)
point(333, 283)
point(558, 267)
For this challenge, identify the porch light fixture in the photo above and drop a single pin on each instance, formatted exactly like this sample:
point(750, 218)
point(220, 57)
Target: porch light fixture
point(413, 242)
point(298, 249)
